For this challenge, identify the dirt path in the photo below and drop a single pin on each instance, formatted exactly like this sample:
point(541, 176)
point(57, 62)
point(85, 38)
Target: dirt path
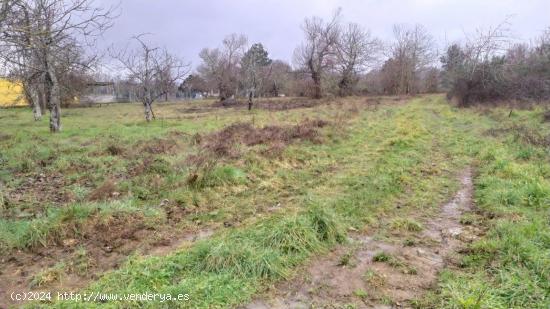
point(374, 273)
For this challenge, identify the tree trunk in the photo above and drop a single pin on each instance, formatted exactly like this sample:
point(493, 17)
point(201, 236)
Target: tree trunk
point(35, 101)
point(317, 91)
point(148, 111)
point(345, 85)
point(250, 100)
point(42, 97)
point(55, 111)
point(222, 92)
point(54, 98)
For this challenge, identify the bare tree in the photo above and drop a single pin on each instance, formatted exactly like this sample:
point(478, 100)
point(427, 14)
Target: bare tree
point(156, 71)
point(221, 66)
point(279, 78)
point(486, 43)
point(319, 50)
point(36, 36)
point(5, 6)
point(356, 51)
point(212, 70)
point(412, 51)
point(475, 71)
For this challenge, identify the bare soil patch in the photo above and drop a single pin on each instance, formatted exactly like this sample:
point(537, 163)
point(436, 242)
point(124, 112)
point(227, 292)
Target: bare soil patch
point(35, 191)
point(101, 245)
point(380, 273)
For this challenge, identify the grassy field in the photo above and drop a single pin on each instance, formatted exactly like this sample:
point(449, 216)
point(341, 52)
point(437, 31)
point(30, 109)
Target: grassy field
point(223, 204)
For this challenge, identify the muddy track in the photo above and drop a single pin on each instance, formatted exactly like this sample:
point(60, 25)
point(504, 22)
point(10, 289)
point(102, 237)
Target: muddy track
point(388, 273)
point(19, 269)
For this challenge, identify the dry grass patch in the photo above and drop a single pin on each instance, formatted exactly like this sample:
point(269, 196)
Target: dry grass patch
point(225, 143)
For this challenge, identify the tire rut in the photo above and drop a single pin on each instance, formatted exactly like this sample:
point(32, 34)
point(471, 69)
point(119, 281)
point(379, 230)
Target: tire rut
point(384, 273)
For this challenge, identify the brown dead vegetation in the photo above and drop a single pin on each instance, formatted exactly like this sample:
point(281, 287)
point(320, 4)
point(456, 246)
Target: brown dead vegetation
point(522, 133)
point(224, 143)
point(115, 150)
point(270, 104)
point(281, 104)
point(291, 104)
point(114, 231)
point(153, 146)
point(194, 110)
point(104, 192)
point(531, 136)
point(158, 146)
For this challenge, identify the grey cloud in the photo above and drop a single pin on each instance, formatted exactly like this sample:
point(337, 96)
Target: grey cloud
point(185, 27)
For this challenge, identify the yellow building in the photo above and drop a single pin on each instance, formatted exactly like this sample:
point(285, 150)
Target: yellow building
point(11, 94)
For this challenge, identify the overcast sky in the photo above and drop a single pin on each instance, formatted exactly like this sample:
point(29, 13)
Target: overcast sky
point(187, 26)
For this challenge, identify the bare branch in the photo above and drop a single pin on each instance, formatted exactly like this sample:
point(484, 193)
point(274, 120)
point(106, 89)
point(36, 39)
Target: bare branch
point(157, 72)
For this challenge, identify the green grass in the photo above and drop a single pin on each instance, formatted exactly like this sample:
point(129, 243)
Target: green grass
point(60, 223)
point(233, 266)
point(510, 266)
point(389, 169)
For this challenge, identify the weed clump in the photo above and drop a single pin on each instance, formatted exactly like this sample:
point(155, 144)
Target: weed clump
point(381, 257)
point(406, 224)
point(346, 259)
point(361, 293)
point(48, 276)
point(531, 136)
point(373, 278)
point(104, 192)
point(158, 146)
point(158, 166)
point(115, 150)
point(522, 133)
point(269, 249)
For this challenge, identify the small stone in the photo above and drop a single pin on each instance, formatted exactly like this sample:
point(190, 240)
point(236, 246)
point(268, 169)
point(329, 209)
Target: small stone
point(69, 242)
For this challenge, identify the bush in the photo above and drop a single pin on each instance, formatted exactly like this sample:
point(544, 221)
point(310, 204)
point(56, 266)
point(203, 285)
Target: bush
point(523, 73)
